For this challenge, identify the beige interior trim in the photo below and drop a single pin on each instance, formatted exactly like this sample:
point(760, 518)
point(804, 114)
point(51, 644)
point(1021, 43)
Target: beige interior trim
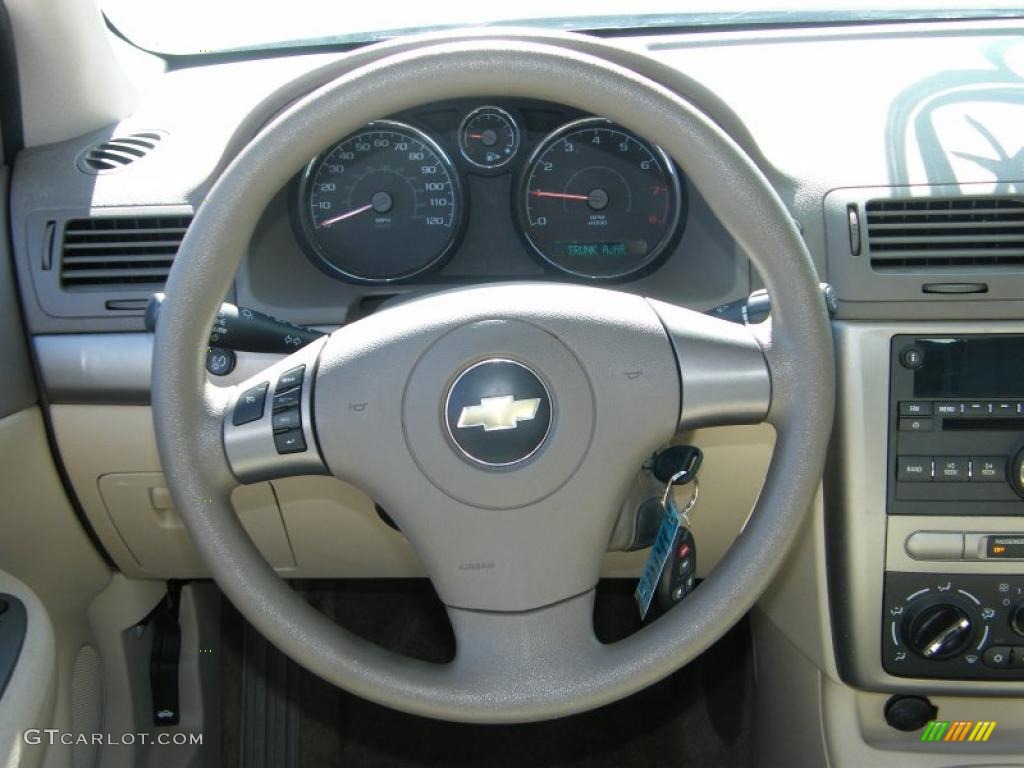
point(319, 527)
point(44, 545)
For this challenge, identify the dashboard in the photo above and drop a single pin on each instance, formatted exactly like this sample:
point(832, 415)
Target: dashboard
point(398, 200)
point(870, 136)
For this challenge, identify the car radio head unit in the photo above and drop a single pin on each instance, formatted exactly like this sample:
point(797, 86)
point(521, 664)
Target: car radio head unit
point(956, 425)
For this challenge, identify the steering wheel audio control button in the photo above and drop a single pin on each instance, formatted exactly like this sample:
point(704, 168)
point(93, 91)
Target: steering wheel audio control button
point(287, 419)
point(290, 379)
point(291, 441)
point(250, 405)
point(287, 399)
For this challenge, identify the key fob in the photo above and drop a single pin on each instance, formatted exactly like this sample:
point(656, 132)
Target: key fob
point(680, 574)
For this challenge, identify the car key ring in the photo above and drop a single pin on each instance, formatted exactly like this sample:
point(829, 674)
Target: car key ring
point(684, 514)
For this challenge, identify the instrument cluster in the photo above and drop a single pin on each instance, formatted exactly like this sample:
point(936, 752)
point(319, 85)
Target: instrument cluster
point(588, 198)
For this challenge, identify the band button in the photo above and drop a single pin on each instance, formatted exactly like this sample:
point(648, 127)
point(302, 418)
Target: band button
point(914, 469)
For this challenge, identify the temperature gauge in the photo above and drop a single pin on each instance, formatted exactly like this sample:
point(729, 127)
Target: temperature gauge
point(488, 137)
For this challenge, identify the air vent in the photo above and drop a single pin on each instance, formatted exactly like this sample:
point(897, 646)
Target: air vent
point(129, 250)
point(118, 152)
point(974, 232)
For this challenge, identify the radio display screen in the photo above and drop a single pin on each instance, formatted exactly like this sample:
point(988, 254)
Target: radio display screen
point(971, 367)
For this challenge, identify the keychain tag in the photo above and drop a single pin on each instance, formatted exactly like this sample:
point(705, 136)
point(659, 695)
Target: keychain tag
point(660, 551)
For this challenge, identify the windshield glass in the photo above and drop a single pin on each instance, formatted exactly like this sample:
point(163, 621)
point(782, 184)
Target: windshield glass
point(188, 27)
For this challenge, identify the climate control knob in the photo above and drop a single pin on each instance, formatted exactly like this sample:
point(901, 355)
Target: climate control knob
point(1017, 618)
point(938, 631)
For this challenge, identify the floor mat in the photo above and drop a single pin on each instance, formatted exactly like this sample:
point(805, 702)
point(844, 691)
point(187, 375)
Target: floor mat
point(277, 714)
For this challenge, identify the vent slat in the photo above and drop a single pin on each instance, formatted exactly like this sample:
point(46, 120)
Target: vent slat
point(951, 226)
point(943, 239)
point(138, 273)
point(964, 214)
point(125, 244)
point(957, 253)
point(120, 250)
point(118, 152)
point(118, 259)
point(936, 233)
point(69, 234)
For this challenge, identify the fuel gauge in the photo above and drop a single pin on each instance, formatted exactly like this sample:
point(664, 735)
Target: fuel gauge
point(488, 137)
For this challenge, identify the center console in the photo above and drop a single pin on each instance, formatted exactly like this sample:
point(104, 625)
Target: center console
point(956, 449)
point(926, 568)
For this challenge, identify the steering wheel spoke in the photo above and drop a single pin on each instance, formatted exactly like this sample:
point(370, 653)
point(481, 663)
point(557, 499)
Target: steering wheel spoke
point(517, 652)
point(723, 370)
point(268, 430)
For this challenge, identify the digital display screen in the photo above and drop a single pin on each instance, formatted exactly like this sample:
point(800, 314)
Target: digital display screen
point(971, 367)
point(597, 250)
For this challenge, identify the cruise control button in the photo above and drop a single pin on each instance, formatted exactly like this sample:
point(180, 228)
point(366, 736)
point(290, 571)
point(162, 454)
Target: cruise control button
point(290, 379)
point(291, 441)
point(915, 408)
point(249, 406)
point(988, 469)
point(951, 469)
point(997, 657)
point(915, 425)
point(914, 469)
point(287, 419)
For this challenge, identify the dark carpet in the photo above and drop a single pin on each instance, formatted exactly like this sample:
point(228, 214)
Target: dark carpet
point(277, 714)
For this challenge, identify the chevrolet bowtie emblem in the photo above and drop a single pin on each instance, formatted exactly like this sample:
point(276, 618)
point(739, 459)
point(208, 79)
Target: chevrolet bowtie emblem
point(503, 412)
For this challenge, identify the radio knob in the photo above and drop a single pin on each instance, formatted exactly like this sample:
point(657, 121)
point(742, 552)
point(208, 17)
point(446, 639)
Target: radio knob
point(1017, 472)
point(938, 631)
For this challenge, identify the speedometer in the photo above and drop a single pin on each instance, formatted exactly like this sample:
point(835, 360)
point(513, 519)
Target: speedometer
point(381, 205)
point(597, 201)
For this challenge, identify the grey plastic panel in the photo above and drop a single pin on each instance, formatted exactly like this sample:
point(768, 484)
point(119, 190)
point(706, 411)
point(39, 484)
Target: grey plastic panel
point(854, 279)
point(724, 373)
point(95, 368)
point(41, 241)
point(862, 541)
point(113, 368)
point(19, 387)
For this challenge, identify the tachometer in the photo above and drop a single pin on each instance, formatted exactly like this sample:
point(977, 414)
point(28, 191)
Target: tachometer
point(381, 205)
point(597, 201)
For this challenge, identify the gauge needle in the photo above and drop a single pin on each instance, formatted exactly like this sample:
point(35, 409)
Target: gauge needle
point(559, 195)
point(350, 214)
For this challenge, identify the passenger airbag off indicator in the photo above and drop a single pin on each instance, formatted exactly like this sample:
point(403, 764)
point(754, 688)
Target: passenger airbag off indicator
point(1005, 547)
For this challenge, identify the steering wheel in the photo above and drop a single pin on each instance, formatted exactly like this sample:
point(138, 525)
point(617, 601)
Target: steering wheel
point(511, 525)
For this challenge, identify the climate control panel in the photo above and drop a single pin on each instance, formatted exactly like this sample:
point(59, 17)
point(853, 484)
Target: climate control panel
point(963, 626)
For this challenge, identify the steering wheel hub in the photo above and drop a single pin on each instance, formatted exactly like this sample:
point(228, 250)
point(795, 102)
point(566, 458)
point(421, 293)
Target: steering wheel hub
point(497, 357)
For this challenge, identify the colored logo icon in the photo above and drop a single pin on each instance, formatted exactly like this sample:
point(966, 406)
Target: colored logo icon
point(958, 730)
